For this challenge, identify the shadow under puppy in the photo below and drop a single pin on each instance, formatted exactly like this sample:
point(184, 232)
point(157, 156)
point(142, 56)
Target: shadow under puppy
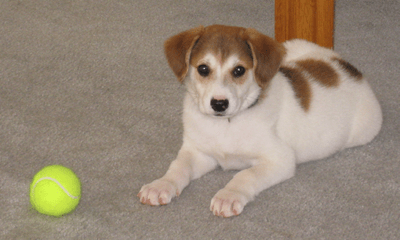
point(259, 106)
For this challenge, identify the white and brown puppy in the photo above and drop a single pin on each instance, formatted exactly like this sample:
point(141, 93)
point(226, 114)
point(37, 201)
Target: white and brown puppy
point(258, 105)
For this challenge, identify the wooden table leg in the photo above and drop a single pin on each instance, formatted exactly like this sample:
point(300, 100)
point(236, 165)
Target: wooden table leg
point(312, 20)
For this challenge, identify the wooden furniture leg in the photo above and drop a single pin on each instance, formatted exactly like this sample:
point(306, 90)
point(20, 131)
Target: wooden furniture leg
point(312, 20)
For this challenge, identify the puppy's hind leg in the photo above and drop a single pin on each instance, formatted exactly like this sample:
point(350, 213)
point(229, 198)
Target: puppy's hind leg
point(367, 121)
point(190, 164)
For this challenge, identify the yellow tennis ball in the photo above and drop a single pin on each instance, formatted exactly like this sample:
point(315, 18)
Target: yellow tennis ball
point(55, 190)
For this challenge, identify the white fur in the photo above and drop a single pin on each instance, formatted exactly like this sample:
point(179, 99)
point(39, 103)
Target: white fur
point(268, 139)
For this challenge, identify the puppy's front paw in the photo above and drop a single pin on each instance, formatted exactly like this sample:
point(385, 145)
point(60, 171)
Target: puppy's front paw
point(159, 192)
point(228, 203)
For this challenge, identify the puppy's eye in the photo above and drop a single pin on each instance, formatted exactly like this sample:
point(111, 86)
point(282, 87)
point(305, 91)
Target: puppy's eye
point(238, 71)
point(203, 70)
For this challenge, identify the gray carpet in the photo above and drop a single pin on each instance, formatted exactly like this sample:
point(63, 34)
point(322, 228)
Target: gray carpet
point(84, 83)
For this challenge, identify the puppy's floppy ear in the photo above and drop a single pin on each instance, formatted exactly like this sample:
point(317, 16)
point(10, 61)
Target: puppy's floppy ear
point(178, 48)
point(267, 55)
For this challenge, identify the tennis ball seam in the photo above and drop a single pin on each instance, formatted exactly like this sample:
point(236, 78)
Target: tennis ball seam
point(58, 183)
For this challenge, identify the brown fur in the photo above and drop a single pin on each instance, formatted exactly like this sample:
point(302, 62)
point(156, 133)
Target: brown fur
point(178, 48)
point(255, 50)
point(301, 86)
point(320, 71)
point(267, 55)
point(222, 41)
point(350, 69)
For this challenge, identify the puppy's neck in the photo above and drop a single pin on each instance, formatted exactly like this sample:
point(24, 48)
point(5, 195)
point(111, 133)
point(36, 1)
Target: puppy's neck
point(251, 105)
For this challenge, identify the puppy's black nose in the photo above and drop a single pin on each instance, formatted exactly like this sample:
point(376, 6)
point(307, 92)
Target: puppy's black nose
point(219, 105)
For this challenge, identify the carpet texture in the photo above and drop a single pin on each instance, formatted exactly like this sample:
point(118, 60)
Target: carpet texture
point(85, 84)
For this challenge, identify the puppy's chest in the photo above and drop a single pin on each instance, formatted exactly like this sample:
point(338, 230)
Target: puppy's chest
point(233, 146)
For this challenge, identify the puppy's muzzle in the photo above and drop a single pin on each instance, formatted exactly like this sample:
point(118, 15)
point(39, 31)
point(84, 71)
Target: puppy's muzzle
point(219, 105)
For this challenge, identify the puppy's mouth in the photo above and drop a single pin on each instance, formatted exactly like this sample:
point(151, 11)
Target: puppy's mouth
point(222, 115)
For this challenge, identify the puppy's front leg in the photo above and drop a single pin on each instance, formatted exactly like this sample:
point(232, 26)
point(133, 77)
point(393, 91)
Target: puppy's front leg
point(190, 164)
point(246, 184)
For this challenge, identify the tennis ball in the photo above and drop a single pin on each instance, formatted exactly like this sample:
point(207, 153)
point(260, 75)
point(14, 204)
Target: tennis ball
point(55, 190)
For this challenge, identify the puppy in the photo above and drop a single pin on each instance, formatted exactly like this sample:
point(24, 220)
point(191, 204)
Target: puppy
point(258, 106)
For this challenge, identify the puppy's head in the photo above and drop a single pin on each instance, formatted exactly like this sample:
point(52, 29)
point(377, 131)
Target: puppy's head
point(227, 67)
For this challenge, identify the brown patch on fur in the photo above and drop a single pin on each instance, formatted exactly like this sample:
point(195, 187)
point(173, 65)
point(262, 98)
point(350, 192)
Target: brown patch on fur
point(300, 85)
point(350, 69)
point(320, 71)
point(222, 42)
